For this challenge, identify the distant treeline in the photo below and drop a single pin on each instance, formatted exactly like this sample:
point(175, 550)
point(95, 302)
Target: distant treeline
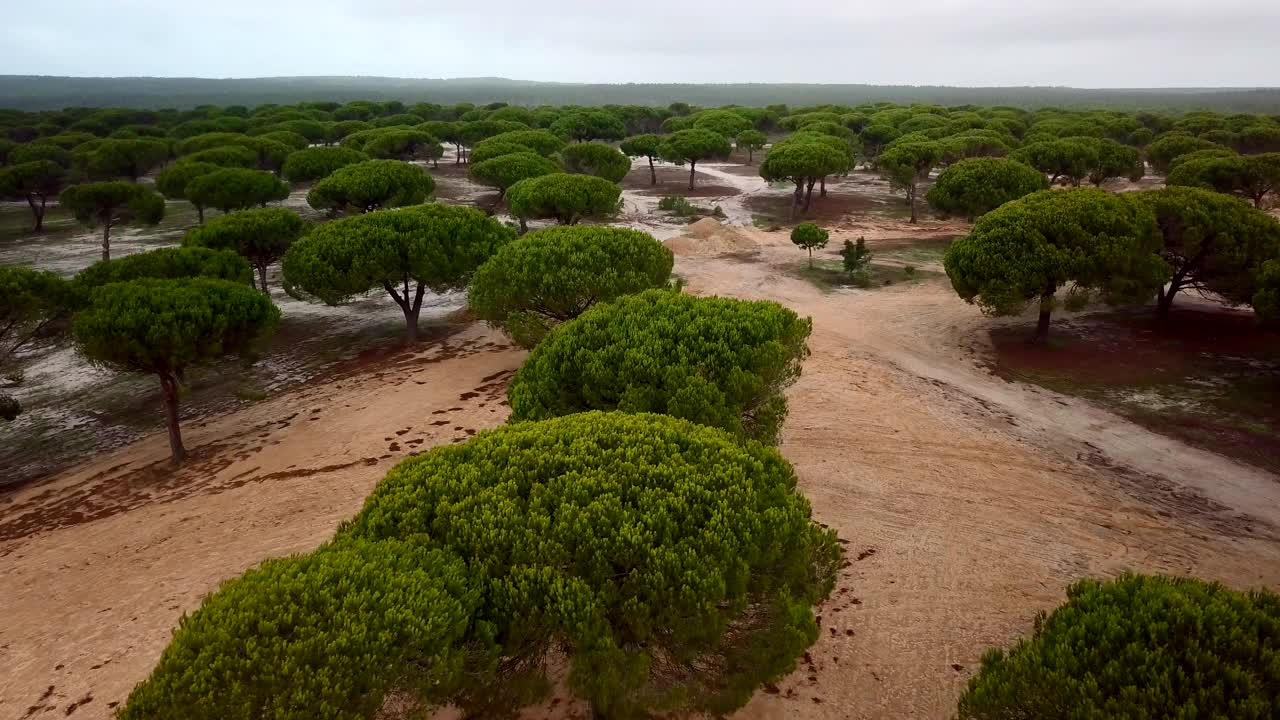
point(29, 92)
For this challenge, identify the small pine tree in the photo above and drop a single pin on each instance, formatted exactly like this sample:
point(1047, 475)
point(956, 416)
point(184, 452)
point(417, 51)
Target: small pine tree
point(809, 236)
point(856, 256)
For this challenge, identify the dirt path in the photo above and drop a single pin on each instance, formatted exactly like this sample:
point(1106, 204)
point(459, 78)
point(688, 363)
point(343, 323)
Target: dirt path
point(967, 504)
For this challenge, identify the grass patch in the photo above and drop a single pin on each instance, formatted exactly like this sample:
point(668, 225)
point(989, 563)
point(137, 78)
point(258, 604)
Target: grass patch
point(828, 275)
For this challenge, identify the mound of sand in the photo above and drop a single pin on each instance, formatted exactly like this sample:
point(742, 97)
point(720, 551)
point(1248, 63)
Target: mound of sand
point(709, 237)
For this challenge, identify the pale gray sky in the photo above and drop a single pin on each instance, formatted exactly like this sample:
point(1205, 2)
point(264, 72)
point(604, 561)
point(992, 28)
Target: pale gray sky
point(1087, 43)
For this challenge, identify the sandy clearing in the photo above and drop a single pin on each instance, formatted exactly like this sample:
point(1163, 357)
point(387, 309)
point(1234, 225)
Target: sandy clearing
point(967, 503)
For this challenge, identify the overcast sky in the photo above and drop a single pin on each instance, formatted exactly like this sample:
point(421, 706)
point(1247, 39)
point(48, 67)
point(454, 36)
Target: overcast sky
point(1081, 43)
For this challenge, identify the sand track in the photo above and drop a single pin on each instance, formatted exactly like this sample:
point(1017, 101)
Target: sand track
point(967, 504)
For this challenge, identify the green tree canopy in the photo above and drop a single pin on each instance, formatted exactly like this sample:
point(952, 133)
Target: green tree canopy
point(259, 236)
point(589, 125)
point(1220, 152)
point(1029, 248)
point(405, 252)
point(1164, 149)
point(553, 275)
point(227, 156)
point(292, 139)
point(803, 161)
point(316, 163)
point(676, 567)
point(29, 301)
point(1266, 298)
point(112, 204)
point(907, 165)
point(164, 327)
point(1212, 242)
point(1249, 176)
point(409, 119)
point(342, 128)
point(808, 236)
point(645, 146)
point(110, 159)
point(1259, 138)
point(261, 645)
point(232, 189)
point(565, 197)
point(171, 263)
point(372, 185)
point(313, 131)
point(35, 152)
point(692, 147)
point(751, 141)
point(592, 158)
point(503, 171)
point(490, 149)
point(976, 186)
point(470, 133)
point(35, 182)
point(1189, 649)
point(874, 137)
point(543, 142)
point(403, 145)
point(1072, 159)
point(722, 122)
point(724, 363)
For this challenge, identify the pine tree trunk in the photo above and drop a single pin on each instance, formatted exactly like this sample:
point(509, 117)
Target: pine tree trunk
point(169, 387)
point(911, 198)
point(653, 173)
point(1046, 310)
point(692, 166)
point(262, 278)
point(823, 191)
point(106, 240)
point(200, 213)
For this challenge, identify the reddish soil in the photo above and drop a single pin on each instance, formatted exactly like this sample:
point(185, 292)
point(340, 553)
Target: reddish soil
point(675, 181)
point(1209, 377)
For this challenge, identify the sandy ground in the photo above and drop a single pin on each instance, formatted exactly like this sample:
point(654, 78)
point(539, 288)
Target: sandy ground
point(967, 504)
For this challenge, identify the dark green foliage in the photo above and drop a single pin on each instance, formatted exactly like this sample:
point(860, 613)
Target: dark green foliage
point(435, 247)
point(10, 408)
point(316, 163)
point(29, 301)
point(231, 189)
point(35, 182)
point(313, 131)
point(715, 361)
point(6, 148)
point(751, 141)
point(972, 187)
point(675, 567)
point(206, 141)
point(111, 204)
point(490, 149)
point(722, 122)
point(1071, 159)
point(589, 125)
point(67, 140)
point(269, 154)
point(565, 197)
point(854, 257)
point(399, 119)
point(470, 133)
point(1162, 151)
point(341, 129)
point(1201, 155)
point(35, 152)
point(1249, 176)
point(110, 159)
point(226, 156)
point(371, 185)
point(907, 165)
point(553, 275)
point(259, 236)
point(645, 146)
point(506, 170)
point(1212, 242)
point(875, 136)
point(166, 326)
point(266, 643)
point(1266, 298)
point(808, 236)
point(403, 145)
point(292, 139)
point(1257, 139)
point(693, 146)
point(804, 160)
point(543, 142)
point(592, 158)
point(173, 263)
point(1139, 647)
point(1029, 248)
point(1114, 160)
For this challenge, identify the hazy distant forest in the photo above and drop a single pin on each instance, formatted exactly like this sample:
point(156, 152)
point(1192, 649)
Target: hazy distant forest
point(29, 92)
